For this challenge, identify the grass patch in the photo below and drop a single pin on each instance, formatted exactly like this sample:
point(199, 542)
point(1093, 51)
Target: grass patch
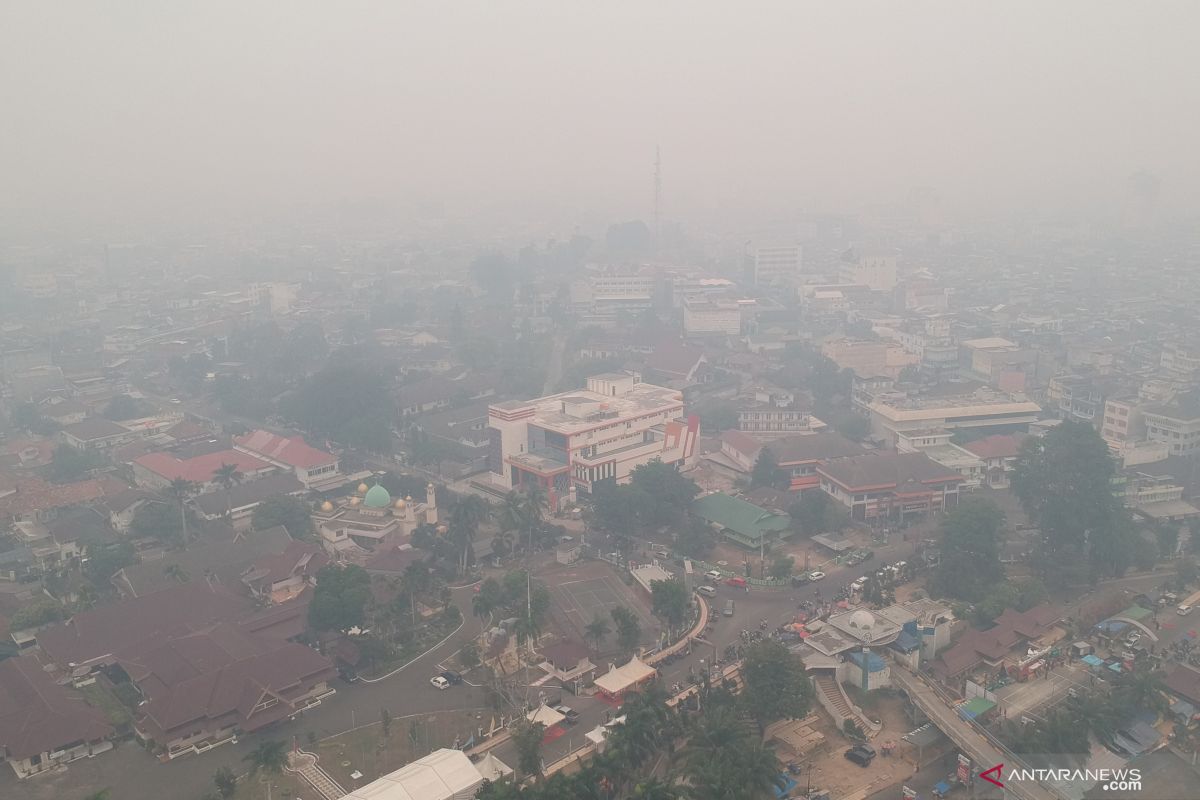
point(97, 696)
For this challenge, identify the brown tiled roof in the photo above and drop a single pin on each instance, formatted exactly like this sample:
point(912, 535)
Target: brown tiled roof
point(1185, 682)
point(99, 635)
point(814, 447)
point(742, 442)
point(37, 715)
point(35, 494)
point(565, 655)
point(886, 470)
point(298, 558)
point(220, 674)
point(223, 560)
point(998, 446)
point(245, 494)
point(1010, 629)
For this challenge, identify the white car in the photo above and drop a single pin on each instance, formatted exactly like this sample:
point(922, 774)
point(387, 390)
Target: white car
point(816, 576)
point(438, 682)
point(1183, 610)
point(707, 591)
point(713, 575)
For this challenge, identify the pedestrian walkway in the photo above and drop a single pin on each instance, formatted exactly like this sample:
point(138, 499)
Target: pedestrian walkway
point(305, 765)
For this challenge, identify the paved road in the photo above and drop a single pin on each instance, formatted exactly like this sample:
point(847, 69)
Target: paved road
point(133, 774)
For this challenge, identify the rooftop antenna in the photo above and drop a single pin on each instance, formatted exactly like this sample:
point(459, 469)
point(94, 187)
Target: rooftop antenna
point(657, 200)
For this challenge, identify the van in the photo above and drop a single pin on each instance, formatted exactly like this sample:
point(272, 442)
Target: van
point(707, 591)
point(1183, 610)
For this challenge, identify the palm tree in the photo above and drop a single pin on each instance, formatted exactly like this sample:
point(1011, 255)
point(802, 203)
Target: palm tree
point(181, 489)
point(481, 606)
point(228, 476)
point(268, 756)
point(176, 573)
point(86, 597)
point(416, 581)
point(465, 519)
point(655, 789)
point(534, 509)
point(596, 630)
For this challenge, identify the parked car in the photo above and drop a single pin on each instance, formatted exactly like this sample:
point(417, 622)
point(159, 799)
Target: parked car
point(713, 575)
point(816, 576)
point(1183, 610)
point(571, 714)
point(729, 606)
point(662, 553)
point(1133, 639)
point(438, 682)
point(453, 677)
point(861, 754)
point(707, 591)
point(736, 580)
point(858, 585)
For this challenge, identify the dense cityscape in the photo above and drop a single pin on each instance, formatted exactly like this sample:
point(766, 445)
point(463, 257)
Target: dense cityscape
point(623, 500)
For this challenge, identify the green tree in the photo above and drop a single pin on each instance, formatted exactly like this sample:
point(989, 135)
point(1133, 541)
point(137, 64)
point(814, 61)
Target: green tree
point(385, 722)
point(720, 417)
point(269, 756)
point(696, 540)
point(782, 568)
point(105, 560)
point(340, 599)
point(348, 402)
point(35, 613)
point(596, 631)
point(1186, 572)
point(670, 602)
point(159, 521)
point(69, 464)
point(814, 513)
point(228, 476)
point(1064, 482)
point(290, 512)
point(122, 407)
point(725, 761)
point(527, 738)
point(777, 686)
point(629, 630)
point(766, 471)
point(176, 573)
point(465, 518)
point(226, 782)
point(970, 561)
point(180, 490)
point(672, 492)
point(853, 427)
point(468, 656)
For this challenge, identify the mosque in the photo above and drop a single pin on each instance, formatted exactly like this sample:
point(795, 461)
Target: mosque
point(370, 521)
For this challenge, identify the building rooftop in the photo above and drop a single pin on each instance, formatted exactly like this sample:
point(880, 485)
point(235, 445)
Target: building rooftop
point(38, 715)
point(199, 469)
point(581, 410)
point(737, 515)
point(886, 470)
point(813, 447)
point(293, 451)
point(95, 428)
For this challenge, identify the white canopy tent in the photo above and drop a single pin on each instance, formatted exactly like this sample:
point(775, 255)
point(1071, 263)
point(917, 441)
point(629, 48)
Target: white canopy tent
point(442, 775)
point(545, 715)
point(493, 769)
point(625, 677)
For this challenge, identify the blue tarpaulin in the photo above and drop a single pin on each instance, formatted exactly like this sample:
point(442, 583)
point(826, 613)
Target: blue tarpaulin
point(941, 787)
point(1092, 661)
point(788, 784)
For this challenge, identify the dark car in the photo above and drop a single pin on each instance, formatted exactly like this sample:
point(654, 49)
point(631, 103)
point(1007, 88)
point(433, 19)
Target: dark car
point(861, 754)
point(452, 677)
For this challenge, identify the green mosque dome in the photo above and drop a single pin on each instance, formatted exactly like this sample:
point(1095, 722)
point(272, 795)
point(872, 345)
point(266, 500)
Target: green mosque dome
point(377, 497)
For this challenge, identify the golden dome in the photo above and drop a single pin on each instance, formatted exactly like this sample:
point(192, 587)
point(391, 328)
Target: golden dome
point(355, 501)
point(327, 506)
point(401, 504)
point(408, 499)
point(362, 488)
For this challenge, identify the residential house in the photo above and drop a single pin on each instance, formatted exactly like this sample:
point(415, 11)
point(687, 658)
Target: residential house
point(121, 507)
point(1176, 424)
point(999, 455)
point(63, 410)
point(239, 502)
point(220, 559)
point(281, 577)
point(741, 522)
point(316, 469)
point(568, 662)
point(937, 445)
point(43, 724)
point(768, 413)
point(882, 485)
point(1005, 644)
point(159, 470)
point(35, 500)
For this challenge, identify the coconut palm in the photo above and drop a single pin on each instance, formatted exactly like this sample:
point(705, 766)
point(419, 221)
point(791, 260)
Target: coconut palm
point(268, 756)
point(415, 581)
point(228, 476)
point(596, 630)
point(655, 789)
point(465, 519)
point(181, 489)
point(534, 508)
point(481, 606)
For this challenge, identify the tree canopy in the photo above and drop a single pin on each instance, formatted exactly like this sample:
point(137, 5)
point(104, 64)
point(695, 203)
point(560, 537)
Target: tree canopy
point(776, 683)
point(290, 512)
point(340, 599)
point(670, 602)
point(1064, 482)
point(766, 471)
point(970, 560)
point(349, 402)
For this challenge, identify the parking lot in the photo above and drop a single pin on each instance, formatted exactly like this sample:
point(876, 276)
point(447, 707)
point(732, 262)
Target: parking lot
point(1034, 697)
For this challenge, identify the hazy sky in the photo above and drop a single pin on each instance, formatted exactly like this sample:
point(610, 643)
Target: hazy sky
point(134, 113)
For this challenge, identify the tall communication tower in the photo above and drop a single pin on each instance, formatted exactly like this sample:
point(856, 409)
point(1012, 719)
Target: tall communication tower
point(657, 200)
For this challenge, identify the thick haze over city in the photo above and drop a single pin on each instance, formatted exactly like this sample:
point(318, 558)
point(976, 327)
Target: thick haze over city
point(125, 116)
point(572, 400)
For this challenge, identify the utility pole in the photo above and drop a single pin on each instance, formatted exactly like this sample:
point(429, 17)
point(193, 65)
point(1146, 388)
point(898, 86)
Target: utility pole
point(657, 200)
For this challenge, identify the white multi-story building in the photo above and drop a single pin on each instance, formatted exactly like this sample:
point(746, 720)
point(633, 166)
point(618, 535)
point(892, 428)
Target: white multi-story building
point(1176, 425)
point(703, 317)
point(610, 291)
point(877, 272)
point(895, 414)
point(579, 438)
point(776, 265)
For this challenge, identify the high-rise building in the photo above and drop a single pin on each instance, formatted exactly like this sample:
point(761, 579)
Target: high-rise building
point(776, 265)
